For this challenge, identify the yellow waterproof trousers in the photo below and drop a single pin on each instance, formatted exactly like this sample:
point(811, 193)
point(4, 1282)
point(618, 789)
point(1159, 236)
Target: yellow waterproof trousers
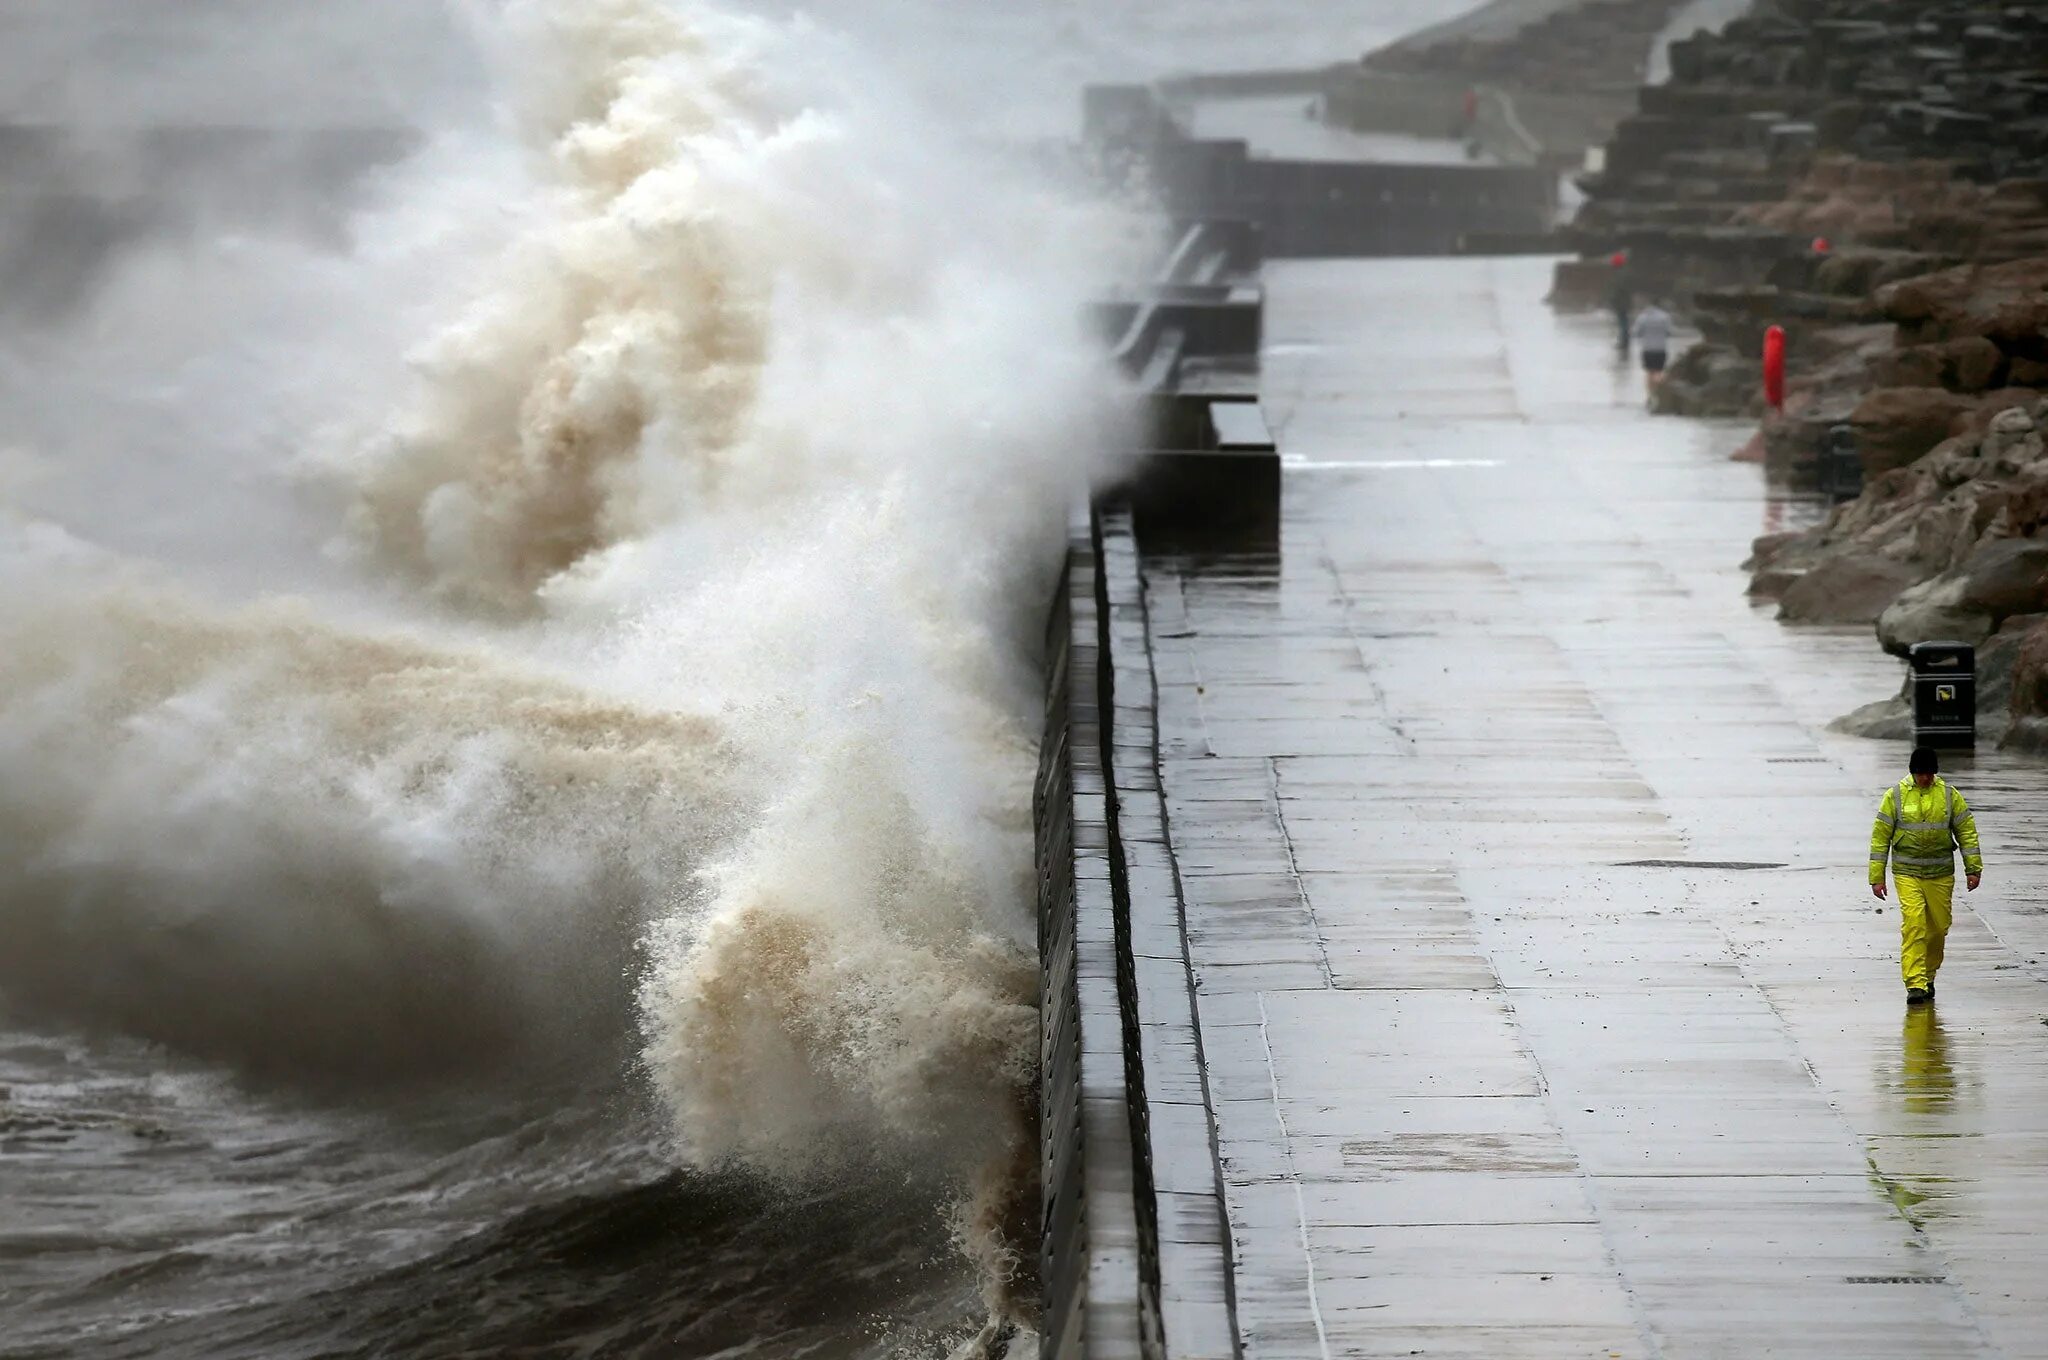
point(1923, 925)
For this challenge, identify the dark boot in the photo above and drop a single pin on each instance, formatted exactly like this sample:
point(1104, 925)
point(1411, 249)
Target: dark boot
point(1919, 996)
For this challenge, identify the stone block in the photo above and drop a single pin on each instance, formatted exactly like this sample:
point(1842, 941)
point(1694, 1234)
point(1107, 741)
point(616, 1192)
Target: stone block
point(1971, 364)
point(1850, 588)
point(2005, 302)
point(1896, 425)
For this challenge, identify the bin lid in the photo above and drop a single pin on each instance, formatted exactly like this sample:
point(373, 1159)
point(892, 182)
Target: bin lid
point(1947, 656)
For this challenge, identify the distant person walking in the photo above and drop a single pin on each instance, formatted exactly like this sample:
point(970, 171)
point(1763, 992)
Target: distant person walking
point(1921, 822)
point(1468, 125)
point(1621, 299)
point(1653, 332)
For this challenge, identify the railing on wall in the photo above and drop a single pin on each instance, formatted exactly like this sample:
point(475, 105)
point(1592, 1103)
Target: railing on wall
point(1196, 306)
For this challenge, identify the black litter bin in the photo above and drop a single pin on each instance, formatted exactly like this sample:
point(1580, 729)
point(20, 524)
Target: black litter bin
point(1944, 680)
point(1841, 466)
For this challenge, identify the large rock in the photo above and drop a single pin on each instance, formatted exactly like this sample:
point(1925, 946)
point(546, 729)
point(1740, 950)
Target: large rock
point(2026, 502)
point(1987, 407)
point(2001, 579)
point(1863, 272)
point(1909, 366)
point(1777, 561)
point(1852, 588)
point(2029, 704)
point(1971, 364)
point(2002, 302)
point(1895, 425)
point(1942, 535)
point(1933, 611)
point(1881, 720)
point(2022, 371)
point(1997, 666)
point(2011, 443)
point(2007, 577)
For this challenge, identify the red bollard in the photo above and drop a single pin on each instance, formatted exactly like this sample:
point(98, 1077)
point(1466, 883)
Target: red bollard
point(1774, 367)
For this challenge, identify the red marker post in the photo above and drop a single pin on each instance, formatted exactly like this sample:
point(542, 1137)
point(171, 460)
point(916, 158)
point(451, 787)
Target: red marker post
point(1774, 367)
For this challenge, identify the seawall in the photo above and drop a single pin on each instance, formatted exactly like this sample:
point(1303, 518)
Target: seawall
point(1135, 1256)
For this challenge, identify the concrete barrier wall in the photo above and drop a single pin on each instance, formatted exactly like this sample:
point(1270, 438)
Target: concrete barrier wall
point(1322, 208)
point(1089, 1259)
point(1335, 208)
point(1135, 1257)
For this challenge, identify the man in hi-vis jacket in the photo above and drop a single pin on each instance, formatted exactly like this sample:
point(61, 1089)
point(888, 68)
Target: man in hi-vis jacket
point(1921, 822)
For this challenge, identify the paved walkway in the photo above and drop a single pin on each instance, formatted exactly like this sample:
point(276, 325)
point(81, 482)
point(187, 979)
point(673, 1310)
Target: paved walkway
point(1545, 1011)
point(1285, 127)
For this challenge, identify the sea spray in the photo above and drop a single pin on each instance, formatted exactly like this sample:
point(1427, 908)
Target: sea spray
point(674, 686)
point(319, 854)
point(756, 319)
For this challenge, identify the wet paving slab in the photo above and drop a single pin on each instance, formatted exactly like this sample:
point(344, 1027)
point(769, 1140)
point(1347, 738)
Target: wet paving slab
point(1544, 1008)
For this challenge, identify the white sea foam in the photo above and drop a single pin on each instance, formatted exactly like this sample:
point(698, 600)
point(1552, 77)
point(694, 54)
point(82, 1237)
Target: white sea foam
point(678, 667)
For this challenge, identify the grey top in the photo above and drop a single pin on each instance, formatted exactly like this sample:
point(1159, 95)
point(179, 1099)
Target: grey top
point(1653, 327)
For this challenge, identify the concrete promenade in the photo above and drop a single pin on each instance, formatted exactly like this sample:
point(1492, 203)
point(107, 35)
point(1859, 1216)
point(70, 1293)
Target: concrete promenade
point(1544, 1008)
point(1282, 126)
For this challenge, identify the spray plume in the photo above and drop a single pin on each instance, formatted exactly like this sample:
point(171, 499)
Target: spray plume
point(661, 668)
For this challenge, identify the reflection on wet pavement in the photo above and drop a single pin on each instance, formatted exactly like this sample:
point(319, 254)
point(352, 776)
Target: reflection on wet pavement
point(1927, 1079)
point(1544, 1008)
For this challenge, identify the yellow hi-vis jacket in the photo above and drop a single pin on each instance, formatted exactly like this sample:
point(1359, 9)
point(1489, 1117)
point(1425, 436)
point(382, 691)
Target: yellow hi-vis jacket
point(1920, 829)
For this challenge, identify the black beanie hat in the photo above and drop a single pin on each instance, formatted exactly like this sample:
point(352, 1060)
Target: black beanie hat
point(1924, 761)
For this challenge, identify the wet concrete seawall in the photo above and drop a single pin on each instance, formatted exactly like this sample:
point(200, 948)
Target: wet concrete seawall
point(1317, 208)
point(1134, 1258)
